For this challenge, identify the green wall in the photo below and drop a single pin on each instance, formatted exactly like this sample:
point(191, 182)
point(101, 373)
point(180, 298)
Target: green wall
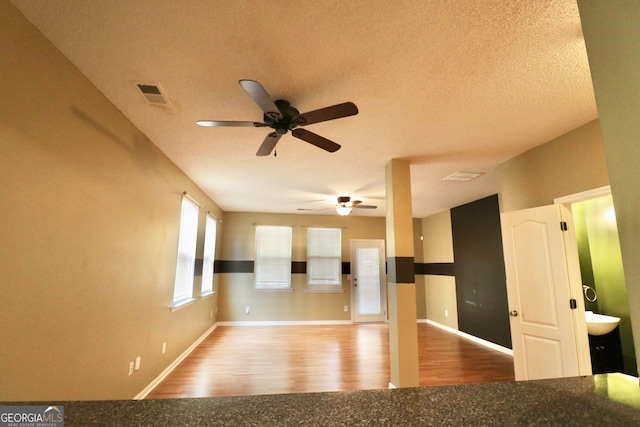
point(603, 246)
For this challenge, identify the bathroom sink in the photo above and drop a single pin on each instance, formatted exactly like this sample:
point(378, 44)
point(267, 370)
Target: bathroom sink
point(600, 324)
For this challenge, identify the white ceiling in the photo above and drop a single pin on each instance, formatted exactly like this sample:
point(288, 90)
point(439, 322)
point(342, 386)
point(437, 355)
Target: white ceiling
point(449, 85)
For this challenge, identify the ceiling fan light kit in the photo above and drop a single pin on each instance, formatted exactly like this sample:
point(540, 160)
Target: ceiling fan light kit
point(282, 117)
point(343, 210)
point(345, 205)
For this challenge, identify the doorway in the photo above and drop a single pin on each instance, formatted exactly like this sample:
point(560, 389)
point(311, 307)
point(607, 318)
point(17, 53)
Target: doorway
point(600, 262)
point(368, 281)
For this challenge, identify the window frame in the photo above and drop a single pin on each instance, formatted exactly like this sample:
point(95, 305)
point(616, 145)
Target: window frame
point(267, 241)
point(319, 252)
point(186, 253)
point(208, 255)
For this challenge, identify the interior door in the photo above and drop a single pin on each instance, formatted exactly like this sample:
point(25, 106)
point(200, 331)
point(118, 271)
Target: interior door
point(368, 281)
point(541, 291)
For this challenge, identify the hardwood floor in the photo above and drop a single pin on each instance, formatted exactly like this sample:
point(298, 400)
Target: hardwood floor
point(250, 360)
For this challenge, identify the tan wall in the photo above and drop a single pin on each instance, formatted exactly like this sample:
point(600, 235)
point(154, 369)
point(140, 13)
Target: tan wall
point(569, 164)
point(440, 291)
point(421, 301)
point(90, 212)
point(438, 239)
point(236, 289)
point(442, 306)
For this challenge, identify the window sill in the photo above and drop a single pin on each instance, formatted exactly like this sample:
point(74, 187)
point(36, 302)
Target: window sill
point(324, 290)
point(273, 289)
point(182, 303)
point(207, 295)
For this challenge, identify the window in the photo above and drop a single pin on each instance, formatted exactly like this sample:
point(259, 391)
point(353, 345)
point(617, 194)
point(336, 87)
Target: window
point(183, 287)
point(324, 258)
point(209, 255)
point(273, 257)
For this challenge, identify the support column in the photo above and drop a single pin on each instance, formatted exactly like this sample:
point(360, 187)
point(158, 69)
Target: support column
point(403, 326)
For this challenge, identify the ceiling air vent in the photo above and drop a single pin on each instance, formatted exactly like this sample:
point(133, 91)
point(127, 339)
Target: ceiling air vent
point(153, 94)
point(462, 176)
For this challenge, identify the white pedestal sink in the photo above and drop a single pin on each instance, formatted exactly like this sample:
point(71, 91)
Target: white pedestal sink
point(600, 324)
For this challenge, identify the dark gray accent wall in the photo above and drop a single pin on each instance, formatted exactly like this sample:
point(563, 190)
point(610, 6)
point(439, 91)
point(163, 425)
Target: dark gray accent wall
point(401, 269)
point(479, 269)
point(436, 268)
point(297, 267)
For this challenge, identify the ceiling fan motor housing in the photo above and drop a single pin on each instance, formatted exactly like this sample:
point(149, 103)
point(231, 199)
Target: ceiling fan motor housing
point(289, 121)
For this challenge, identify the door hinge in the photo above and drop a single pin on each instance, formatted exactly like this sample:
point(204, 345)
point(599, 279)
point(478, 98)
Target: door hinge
point(563, 226)
point(573, 304)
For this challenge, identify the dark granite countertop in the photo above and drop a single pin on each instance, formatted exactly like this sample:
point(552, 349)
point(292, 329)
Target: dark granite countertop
point(600, 400)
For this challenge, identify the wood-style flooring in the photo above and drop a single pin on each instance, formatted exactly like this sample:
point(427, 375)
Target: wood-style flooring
point(251, 360)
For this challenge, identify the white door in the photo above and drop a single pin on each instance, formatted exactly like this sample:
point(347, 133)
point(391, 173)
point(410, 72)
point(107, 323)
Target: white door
point(541, 292)
point(368, 281)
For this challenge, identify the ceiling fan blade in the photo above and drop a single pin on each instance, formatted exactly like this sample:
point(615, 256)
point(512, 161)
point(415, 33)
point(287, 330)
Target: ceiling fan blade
point(261, 97)
point(216, 123)
point(364, 207)
point(316, 140)
point(268, 144)
point(315, 210)
point(329, 113)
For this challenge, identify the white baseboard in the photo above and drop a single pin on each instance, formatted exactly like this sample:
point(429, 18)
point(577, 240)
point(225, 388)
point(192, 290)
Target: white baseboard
point(285, 323)
point(391, 386)
point(475, 339)
point(173, 365)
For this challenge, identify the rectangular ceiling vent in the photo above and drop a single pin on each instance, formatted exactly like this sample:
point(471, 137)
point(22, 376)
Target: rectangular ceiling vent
point(462, 176)
point(153, 94)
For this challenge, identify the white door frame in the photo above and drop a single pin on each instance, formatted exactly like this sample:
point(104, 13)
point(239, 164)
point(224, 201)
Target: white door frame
point(579, 321)
point(379, 244)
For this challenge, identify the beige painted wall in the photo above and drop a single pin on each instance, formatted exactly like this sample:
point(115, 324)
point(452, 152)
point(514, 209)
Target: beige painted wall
point(440, 291)
point(90, 213)
point(236, 289)
point(421, 301)
point(438, 239)
point(569, 164)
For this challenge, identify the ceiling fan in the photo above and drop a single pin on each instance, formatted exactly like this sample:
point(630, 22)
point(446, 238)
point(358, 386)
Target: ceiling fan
point(344, 206)
point(283, 117)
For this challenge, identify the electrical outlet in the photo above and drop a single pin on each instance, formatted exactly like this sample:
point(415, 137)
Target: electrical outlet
point(211, 313)
point(247, 309)
point(164, 347)
point(346, 308)
point(446, 313)
point(137, 365)
point(130, 368)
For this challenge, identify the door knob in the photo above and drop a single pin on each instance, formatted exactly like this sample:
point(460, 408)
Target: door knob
point(513, 313)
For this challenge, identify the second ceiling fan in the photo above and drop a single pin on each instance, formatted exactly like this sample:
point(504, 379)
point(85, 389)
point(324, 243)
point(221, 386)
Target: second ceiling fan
point(282, 117)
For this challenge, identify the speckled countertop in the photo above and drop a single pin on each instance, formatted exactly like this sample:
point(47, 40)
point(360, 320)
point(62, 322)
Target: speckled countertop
point(601, 400)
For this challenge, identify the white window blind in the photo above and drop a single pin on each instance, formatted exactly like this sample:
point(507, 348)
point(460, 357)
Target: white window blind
point(209, 255)
point(324, 258)
point(273, 257)
point(183, 287)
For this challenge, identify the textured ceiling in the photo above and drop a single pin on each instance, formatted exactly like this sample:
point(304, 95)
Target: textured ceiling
point(449, 85)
